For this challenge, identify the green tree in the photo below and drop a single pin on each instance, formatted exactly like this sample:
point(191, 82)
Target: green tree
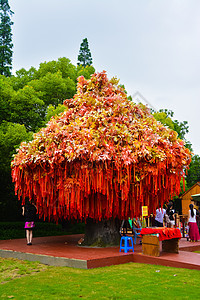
point(22, 78)
point(54, 111)
point(193, 175)
point(84, 57)
point(182, 128)
point(55, 89)
point(85, 71)
point(5, 38)
point(27, 108)
point(11, 136)
point(164, 118)
point(27, 101)
point(24, 106)
point(63, 65)
point(6, 94)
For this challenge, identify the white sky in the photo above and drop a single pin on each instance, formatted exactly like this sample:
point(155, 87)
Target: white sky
point(153, 46)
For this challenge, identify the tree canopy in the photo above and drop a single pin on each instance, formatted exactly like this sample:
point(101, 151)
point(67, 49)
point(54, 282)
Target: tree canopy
point(103, 157)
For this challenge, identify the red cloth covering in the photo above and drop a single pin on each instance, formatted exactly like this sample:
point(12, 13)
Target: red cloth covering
point(164, 232)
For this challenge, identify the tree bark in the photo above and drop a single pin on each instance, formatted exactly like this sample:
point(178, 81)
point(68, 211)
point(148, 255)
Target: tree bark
point(104, 233)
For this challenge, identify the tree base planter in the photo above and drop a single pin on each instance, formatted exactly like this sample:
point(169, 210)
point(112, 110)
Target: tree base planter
point(104, 233)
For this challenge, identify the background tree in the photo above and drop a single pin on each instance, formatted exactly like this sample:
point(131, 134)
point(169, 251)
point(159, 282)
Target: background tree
point(11, 136)
point(84, 57)
point(85, 71)
point(182, 128)
point(27, 101)
point(54, 111)
point(22, 78)
point(54, 88)
point(5, 38)
point(63, 65)
point(27, 108)
point(6, 94)
point(193, 175)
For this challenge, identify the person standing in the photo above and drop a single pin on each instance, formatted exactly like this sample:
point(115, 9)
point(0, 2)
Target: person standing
point(193, 229)
point(29, 212)
point(160, 212)
point(169, 217)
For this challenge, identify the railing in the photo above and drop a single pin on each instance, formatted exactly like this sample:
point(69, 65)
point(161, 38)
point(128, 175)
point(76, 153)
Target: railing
point(181, 219)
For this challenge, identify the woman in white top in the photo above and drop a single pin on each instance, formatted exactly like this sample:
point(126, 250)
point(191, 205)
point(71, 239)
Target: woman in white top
point(193, 229)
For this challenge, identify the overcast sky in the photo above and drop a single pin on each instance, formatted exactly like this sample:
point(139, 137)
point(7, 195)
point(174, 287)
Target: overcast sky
point(153, 46)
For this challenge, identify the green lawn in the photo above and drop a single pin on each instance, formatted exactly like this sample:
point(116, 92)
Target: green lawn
point(31, 280)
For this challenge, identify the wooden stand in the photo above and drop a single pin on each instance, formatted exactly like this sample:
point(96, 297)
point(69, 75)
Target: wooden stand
point(171, 246)
point(151, 245)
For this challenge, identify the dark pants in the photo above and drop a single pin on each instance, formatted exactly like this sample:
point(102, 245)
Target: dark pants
point(158, 224)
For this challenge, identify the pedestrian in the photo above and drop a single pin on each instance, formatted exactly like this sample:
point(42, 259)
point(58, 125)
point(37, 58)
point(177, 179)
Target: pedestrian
point(193, 228)
point(169, 217)
point(29, 212)
point(160, 212)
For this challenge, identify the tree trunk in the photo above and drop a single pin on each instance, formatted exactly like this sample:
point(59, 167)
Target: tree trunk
point(104, 233)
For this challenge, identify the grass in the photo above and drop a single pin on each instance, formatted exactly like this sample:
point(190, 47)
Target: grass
point(14, 268)
point(14, 230)
point(31, 280)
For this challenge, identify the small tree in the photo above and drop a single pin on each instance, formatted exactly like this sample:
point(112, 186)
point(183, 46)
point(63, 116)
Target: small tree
point(5, 38)
point(84, 57)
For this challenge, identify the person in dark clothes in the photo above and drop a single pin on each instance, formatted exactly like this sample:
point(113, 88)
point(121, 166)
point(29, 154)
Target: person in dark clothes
point(169, 217)
point(29, 212)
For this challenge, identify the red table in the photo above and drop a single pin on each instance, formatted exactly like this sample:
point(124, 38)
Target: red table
point(164, 232)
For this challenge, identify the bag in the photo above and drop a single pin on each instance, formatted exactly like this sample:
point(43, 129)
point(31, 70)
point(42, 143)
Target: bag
point(29, 225)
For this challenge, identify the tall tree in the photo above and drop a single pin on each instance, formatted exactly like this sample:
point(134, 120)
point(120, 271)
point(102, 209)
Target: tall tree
point(100, 160)
point(84, 57)
point(5, 38)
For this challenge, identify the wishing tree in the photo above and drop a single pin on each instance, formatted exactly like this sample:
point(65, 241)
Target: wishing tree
point(103, 158)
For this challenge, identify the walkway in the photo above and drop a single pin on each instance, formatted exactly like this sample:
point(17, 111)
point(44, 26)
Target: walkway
point(64, 251)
